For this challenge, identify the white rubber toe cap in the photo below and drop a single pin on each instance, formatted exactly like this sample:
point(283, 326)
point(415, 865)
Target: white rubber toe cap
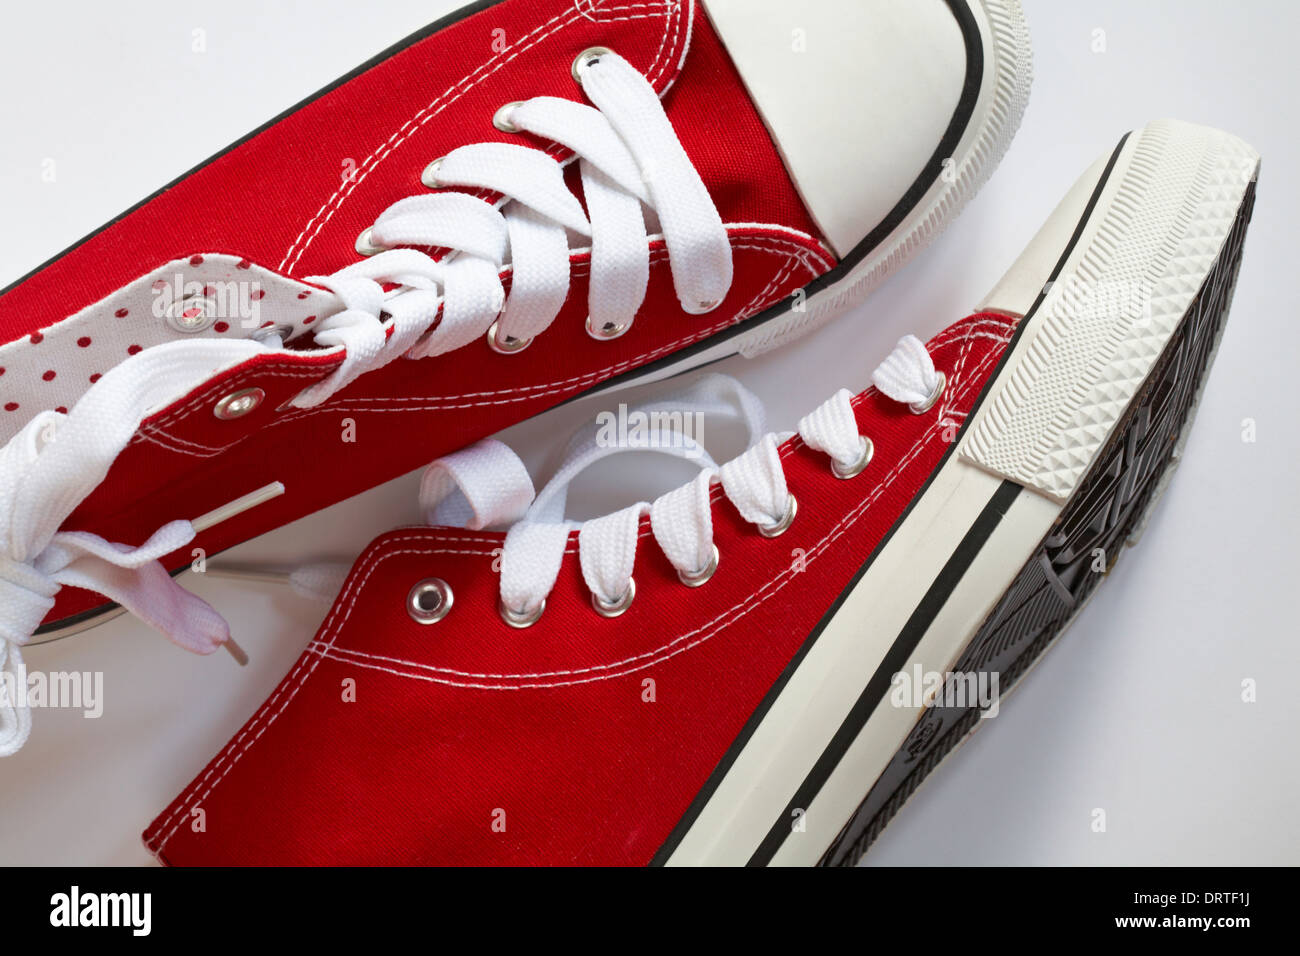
point(858, 94)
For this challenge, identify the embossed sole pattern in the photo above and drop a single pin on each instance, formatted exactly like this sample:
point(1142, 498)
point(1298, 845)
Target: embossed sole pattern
point(1106, 511)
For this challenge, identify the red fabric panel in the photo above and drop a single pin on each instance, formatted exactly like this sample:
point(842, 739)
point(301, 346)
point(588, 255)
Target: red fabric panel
point(456, 721)
point(280, 199)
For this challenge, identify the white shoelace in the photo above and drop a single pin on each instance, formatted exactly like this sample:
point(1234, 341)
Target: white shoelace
point(631, 164)
point(486, 485)
point(45, 472)
point(629, 159)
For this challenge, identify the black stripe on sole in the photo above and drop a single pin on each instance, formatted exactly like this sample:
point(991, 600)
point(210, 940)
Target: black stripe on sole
point(738, 745)
point(1076, 554)
point(935, 598)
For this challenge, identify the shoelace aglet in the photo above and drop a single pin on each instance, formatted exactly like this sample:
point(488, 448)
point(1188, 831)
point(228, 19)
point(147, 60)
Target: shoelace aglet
point(235, 651)
point(238, 506)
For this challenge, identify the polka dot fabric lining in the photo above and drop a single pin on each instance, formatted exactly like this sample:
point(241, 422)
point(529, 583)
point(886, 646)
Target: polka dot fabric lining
point(227, 297)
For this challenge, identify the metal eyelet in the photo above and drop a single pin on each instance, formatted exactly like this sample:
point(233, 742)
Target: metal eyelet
point(364, 245)
point(520, 619)
point(430, 175)
point(509, 346)
point(772, 530)
point(699, 308)
point(429, 601)
point(192, 313)
point(855, 467)
point(693, 579)
point(270, 329)
point(920, 408)
point(615, 608)
point(501, 118)
point(607, 332)
point(238, 404)
point(586, 59)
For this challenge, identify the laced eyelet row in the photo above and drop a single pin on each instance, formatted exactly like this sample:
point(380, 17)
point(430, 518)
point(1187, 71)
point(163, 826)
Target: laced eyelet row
point(690, 579)
point(501, 120)
point(526, 618)
point(856, 467)
point(521, 619)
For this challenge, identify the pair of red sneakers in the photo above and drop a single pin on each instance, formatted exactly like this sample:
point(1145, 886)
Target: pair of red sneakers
point(560, 196)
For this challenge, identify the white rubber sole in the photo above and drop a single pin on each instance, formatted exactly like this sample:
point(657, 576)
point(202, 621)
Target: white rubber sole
point(1003, 95)
point(1110, 313)
point(1157, 222)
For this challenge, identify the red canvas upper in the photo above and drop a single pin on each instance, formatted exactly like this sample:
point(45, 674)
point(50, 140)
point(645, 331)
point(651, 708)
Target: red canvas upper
point(280, 201)
point(468, 722)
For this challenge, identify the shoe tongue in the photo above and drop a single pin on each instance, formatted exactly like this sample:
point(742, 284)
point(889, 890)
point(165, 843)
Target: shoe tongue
point(676, 422)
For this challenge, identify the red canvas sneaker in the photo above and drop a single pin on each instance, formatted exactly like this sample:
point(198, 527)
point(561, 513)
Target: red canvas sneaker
point(740, 671)
point(552, 195)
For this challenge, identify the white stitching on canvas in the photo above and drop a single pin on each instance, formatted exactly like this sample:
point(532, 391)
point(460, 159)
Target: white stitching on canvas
point(151, 431)
point(333, 628)
point(672, 27)
point(778, 245)
point(724, 619)
point(155, 436)
point(230, 755)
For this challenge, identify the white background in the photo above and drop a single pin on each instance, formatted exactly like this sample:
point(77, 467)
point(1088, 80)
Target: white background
point(1138, 712)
